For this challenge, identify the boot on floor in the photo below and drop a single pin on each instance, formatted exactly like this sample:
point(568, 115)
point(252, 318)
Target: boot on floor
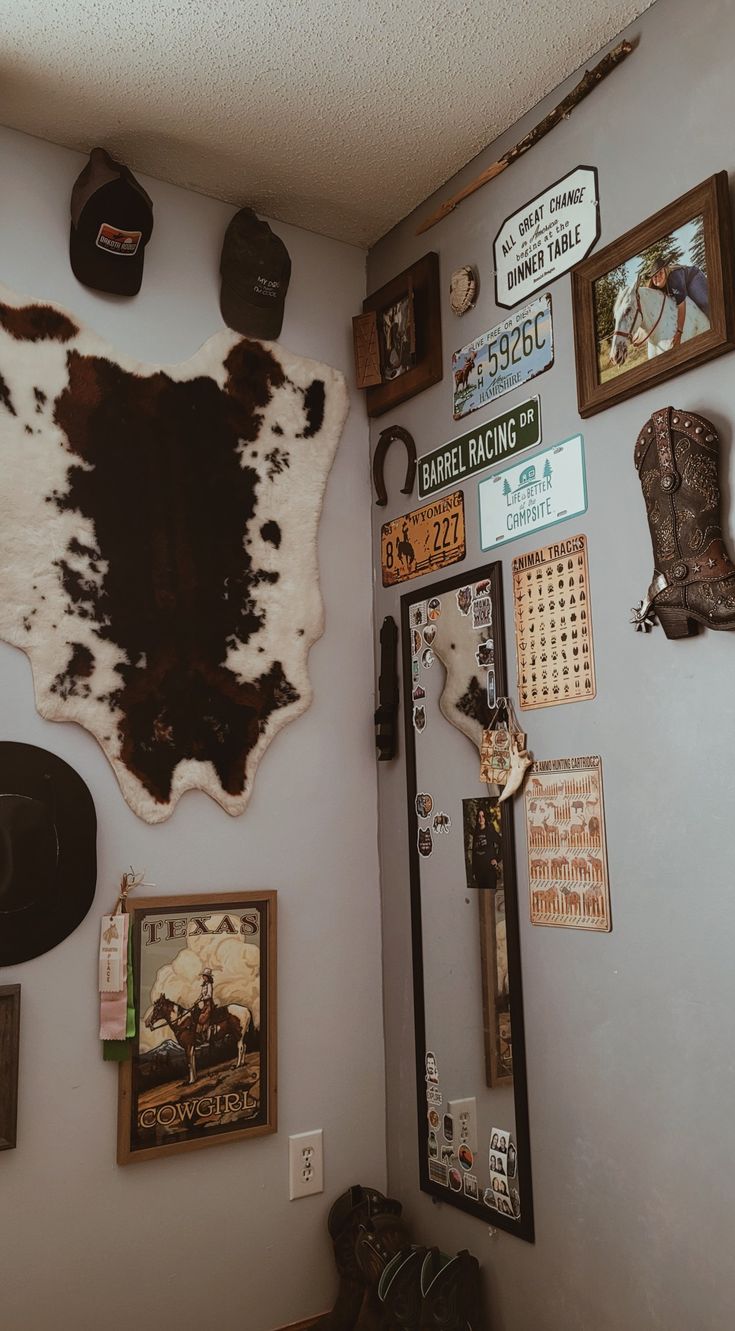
point(381, 1236)
point(356, 1210)
point(343, 1222)
point(450, 1289)
point(399, 1290)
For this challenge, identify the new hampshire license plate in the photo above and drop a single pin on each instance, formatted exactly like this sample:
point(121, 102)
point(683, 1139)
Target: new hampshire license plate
point(518, 349)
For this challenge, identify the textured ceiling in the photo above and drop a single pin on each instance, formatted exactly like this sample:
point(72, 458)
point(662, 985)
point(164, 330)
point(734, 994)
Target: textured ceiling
point(337, 115)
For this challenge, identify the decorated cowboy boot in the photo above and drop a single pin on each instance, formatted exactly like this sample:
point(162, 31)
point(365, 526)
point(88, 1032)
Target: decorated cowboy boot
point(399, 1290)
point(380, 1237)
point(677, 459)
point(450, 1287)
point(343, 1223)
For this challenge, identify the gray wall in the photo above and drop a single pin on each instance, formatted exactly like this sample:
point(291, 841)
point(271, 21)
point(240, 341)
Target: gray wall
point(209, 1237)
point(629, 1035)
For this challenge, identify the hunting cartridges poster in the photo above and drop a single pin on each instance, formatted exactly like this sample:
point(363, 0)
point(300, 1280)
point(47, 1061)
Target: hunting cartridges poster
point(567, 851)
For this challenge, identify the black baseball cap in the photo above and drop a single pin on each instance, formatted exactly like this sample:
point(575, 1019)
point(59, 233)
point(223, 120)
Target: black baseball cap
point(111, 223)
point(256, 268)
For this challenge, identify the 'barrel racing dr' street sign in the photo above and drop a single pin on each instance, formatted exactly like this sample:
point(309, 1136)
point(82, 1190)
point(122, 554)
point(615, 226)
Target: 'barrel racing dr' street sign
point(477, 450)
point(546, 237)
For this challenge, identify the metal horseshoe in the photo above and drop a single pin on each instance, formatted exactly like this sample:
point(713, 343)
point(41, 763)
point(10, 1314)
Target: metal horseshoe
point(386, 438)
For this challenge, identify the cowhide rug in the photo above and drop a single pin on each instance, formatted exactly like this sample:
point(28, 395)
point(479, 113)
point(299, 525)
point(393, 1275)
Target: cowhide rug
point(158, 545)
point(463, 700)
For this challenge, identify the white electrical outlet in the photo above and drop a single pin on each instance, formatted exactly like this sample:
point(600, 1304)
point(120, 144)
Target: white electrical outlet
point(305, 1164)
point(464, 1114)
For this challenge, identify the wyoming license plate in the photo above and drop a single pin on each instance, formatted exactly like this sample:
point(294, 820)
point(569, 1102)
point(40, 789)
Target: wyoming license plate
point(423, 541)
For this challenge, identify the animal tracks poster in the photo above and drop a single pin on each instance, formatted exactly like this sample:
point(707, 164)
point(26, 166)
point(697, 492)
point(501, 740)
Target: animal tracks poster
point(553, 619)
point(203, 1064)
point(567, 851)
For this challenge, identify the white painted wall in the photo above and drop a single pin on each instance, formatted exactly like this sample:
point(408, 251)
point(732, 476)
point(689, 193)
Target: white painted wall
point(208, 1238)
point(629, 1036)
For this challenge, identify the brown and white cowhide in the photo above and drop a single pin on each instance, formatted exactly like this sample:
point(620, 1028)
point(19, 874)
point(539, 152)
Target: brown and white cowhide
point(158, 545)
point(463, 700)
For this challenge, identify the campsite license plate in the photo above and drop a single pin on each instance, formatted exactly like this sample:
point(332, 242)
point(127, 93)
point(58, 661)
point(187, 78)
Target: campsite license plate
point(424, 540)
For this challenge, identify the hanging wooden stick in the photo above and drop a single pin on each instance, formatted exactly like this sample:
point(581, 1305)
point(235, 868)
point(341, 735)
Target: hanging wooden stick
point(561, 112)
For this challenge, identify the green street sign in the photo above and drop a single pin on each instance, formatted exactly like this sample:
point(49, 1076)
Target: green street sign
point(478, 449)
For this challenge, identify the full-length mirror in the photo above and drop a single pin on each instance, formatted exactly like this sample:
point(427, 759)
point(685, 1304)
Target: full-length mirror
point(470, 1058)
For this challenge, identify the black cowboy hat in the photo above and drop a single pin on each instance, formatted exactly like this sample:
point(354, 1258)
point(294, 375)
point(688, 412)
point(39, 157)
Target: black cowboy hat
point(48, 859)
point(655, 266)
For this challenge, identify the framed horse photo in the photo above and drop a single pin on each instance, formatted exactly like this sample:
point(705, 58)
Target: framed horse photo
point(656, 301)
point(203, 1067)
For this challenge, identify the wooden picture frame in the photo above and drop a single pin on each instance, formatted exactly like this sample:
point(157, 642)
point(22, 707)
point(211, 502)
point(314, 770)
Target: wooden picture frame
point(419, 287)
point(509, 1089)
point(496, 1024)
point(176, 941)
point(495, 1018)
point(695, 228)
point(9, 1051)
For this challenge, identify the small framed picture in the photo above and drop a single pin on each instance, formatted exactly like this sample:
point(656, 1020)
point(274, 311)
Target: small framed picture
point(203, 1067)
point(397, 338)
point(656, 301)
point(407, 312)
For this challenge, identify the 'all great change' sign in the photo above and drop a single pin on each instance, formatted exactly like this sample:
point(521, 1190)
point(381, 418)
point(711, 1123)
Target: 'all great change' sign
point(546, 237)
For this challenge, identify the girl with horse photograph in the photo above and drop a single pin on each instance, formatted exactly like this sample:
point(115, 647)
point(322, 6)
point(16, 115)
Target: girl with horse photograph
point(652, 303)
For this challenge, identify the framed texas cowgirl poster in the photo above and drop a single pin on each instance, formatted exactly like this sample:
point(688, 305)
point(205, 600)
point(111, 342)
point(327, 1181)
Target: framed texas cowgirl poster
point(656, 301)
point(203, 1069)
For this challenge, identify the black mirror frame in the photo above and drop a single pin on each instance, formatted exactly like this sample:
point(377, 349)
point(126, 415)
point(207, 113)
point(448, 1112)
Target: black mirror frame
point(524, 1227)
